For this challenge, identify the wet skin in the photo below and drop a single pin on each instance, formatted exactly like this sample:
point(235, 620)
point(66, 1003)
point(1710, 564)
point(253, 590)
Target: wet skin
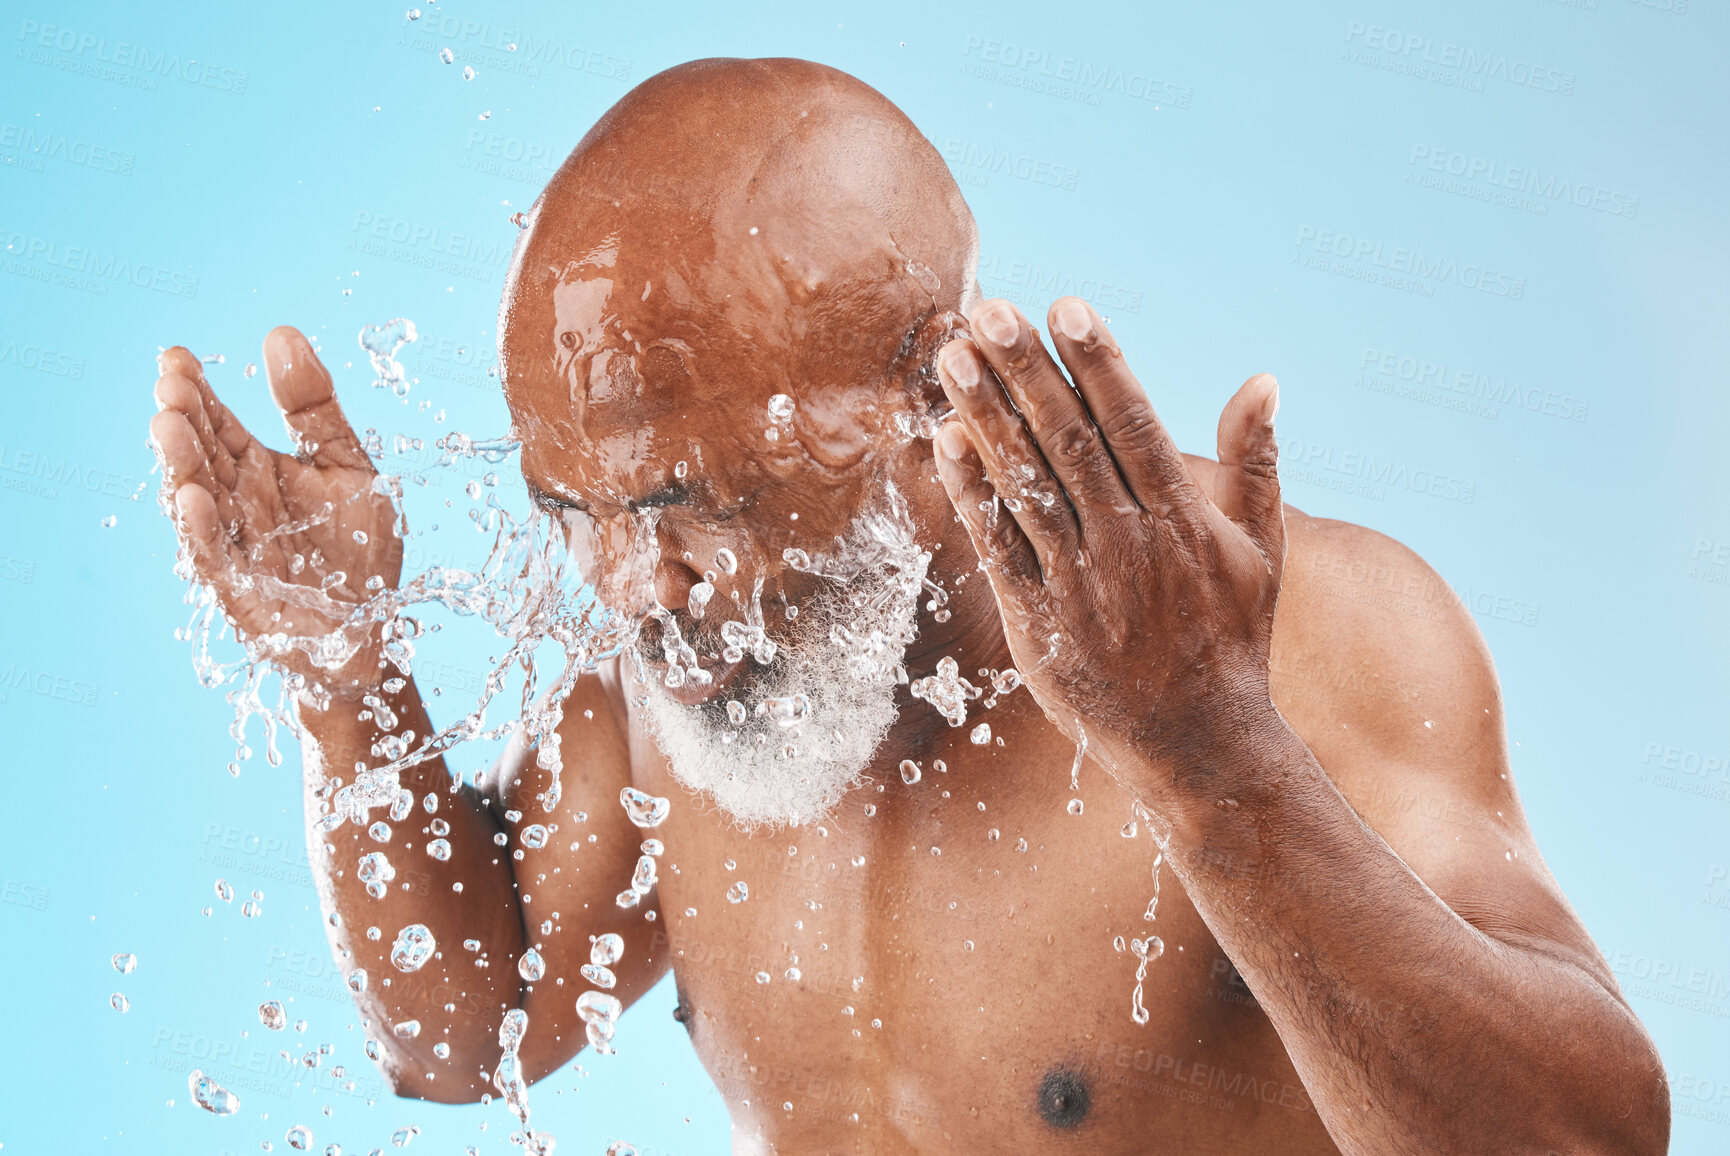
point(1363, 949)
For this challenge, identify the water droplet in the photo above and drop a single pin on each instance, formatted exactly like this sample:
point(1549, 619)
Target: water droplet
point(1075, 806)
point(413, 947)
point(644, 810)
point(738, 892)
point(210, 1095)
point(909, 772)
point(1129, 830)
point(762, 977)
point(252, 909)
point(651, 847)
point(251, 370)
point(781, 409)
point(446, 55)
point(271, 1015)
point(442, 1050)
point(531, 966)
point(406, 1030)
point(981, 734)
point(376, 872)
point(119, 1002)
point(110, 522)
point(858, 860)
point(380, 831)
point(606, 950)
point(356, 980)
point(534, 836)
point(598, 975)
point(224, 892)
point(680, 469)
point(124, 962)
point(300, 1137)
point(726, 561)
point(468, 72)
point(620, 1148)
point(992, 835)
point(439, 849)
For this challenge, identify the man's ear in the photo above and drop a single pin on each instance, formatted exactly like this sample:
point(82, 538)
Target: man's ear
point(914, 370)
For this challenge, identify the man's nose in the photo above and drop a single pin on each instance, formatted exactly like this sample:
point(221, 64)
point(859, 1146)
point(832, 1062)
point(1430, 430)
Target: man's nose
point(673, 582)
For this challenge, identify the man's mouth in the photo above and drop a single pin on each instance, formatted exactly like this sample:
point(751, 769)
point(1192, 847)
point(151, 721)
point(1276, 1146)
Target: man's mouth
point(696, 691)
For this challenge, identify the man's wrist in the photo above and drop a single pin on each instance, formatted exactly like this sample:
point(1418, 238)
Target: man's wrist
point(1233, 758)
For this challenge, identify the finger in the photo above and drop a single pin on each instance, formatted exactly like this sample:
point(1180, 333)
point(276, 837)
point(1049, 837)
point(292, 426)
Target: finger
point(175, 392)
point(1146, 457)
point(1061, 425)
point(180, 360)
point(1018, 473)
point(302, 388)
point(216, 559)
point(997, 538)
point(1247, 486)
point(186, 461)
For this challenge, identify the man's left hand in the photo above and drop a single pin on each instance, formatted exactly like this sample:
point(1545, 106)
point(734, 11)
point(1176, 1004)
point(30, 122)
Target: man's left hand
point(1138, 608)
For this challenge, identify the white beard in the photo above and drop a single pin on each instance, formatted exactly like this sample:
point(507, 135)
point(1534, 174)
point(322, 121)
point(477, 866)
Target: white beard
point(844, 656)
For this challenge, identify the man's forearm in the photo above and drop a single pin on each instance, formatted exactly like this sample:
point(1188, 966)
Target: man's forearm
point(1412, 1030)
point(457, 996)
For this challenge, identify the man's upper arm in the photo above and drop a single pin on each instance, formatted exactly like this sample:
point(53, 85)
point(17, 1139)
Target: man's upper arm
point(1383, 673)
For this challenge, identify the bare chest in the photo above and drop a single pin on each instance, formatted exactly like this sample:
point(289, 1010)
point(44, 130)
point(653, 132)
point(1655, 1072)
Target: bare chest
point(950, 962)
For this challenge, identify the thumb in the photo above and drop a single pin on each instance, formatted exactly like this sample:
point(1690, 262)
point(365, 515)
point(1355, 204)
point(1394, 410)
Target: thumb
point(302, 389)
point(1248, 488)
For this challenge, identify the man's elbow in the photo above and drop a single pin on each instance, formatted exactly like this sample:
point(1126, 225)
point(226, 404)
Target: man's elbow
point(1625, 1110)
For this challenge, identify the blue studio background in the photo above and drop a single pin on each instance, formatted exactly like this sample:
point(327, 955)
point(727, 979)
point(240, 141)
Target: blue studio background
point(1482, 244)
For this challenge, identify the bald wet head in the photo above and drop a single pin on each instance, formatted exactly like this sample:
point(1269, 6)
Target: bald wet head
point(734, 235)
point(729, 231)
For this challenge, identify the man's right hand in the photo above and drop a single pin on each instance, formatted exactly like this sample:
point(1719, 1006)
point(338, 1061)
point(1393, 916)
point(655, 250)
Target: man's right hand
point(288, 542)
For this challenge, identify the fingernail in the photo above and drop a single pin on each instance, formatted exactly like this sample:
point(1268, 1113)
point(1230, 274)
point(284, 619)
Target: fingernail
point(997, 324)
point(951, 441)
point(1074, 320)
point(962, 368)
point(1270, 404)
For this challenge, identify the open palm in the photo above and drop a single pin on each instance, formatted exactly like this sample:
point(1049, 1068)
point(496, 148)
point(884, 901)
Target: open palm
point(291, 544)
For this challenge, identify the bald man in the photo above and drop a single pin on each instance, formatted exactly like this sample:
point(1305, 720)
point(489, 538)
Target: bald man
point(947, 653)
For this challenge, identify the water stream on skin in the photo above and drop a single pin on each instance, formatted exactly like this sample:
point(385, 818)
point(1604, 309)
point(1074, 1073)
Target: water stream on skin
point(530, 593)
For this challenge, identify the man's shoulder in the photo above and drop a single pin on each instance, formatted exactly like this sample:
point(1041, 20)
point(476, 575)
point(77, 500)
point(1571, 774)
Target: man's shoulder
point(1368, 638)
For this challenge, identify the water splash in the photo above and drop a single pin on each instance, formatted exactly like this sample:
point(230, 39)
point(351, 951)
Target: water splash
point(381, 343)
point(513, 1085)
